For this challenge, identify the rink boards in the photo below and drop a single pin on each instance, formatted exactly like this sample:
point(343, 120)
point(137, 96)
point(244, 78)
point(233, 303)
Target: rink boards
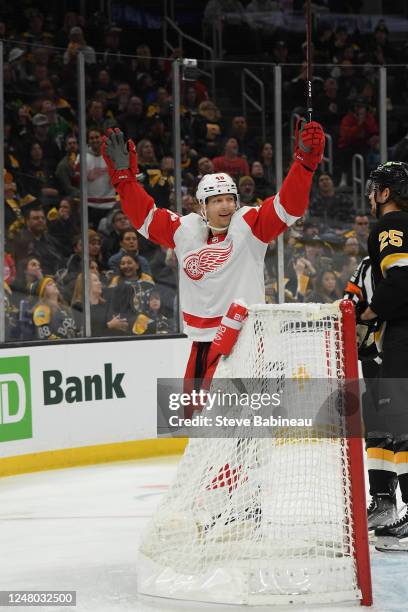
point(73, 404)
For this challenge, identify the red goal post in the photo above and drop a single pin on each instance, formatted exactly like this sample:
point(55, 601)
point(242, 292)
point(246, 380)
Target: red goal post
point(355, 452)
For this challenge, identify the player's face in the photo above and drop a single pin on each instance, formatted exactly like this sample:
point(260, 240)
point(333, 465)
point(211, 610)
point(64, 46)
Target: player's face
point(377, 197)
point(371, 199)
point(220, 209)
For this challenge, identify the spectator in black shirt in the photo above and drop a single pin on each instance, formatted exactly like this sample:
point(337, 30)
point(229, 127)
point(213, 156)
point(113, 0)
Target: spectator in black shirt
point(330, 107)
point(133, 122)
point(35, 241)
point(158, 136)
point(329, 205)
point(35, 32)
point(103, 82)
point(326, 291)
point(122, 96)
point(13, 92)
point(191, 100)
point(111, 244)
point(162, 184)
point(246, 144)
point(263, 187)
point(323, 43)
point(102, 322)
point(207, 131)
point(97, 118)
point(268, 163)
point(340, 42)
point(189, 157)
point(71, 19)
point(112, 57)
point(67, 171)
point(64, 225)
point(51, 152)
point(38, 176)
point(379, 50)
point(146, 155)
point(28, 272)
point(31, 83)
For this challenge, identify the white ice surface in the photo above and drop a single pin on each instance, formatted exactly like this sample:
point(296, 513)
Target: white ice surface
point(78, 529)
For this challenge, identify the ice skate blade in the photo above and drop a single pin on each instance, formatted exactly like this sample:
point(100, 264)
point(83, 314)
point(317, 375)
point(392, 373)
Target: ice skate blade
point(391, 544)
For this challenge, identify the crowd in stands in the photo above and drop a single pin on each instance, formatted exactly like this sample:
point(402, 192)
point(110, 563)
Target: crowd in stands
point(133, 282)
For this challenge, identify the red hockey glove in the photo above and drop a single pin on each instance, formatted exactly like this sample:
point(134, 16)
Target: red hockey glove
point(309, 143)
point(120, 157)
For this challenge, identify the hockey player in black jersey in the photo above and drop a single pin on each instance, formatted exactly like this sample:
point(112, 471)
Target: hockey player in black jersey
point(380, 449)
point(387, 444)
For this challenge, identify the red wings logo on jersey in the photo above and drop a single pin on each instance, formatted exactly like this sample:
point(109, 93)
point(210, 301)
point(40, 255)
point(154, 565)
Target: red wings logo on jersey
point(205, 261)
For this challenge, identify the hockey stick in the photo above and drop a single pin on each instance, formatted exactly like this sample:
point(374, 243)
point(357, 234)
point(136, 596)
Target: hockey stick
point(309, 66)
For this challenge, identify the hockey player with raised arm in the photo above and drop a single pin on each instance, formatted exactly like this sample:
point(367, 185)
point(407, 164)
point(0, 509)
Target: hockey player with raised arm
point(220, 251)
point(387, 445)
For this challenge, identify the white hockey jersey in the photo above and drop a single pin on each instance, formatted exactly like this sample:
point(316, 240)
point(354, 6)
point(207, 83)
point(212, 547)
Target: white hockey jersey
point(217, 270)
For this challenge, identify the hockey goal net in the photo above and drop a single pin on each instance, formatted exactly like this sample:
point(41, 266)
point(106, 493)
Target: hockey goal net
point(279, 519)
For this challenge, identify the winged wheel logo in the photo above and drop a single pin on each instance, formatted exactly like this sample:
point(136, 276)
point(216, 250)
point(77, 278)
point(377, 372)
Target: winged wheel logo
point(206, 260)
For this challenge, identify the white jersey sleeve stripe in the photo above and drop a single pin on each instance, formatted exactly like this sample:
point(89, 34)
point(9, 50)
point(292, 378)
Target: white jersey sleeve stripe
point(231, 323)
point(144, 229)
point(281, 212)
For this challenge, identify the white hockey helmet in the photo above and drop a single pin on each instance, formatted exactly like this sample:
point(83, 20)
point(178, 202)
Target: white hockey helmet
point(216, 184)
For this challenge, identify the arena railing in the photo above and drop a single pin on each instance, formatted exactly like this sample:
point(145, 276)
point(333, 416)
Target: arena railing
point(358, 178)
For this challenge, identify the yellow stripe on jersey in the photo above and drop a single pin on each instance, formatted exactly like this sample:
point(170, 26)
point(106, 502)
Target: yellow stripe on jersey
point(380, 453)
point(396, 259)
point(401, 457)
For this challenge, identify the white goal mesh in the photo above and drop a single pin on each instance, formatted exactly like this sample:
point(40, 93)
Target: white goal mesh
point(264, 520)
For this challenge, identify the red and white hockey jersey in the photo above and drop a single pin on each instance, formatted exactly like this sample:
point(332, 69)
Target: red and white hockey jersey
point(218, 270)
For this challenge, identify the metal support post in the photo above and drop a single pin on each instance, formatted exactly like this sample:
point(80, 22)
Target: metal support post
point(83, 189)
point(246, 97)
point(382, 106)
point(177, 131)
point(279, 173)
point(326, 164)
point(175, 78)
point(358, 180)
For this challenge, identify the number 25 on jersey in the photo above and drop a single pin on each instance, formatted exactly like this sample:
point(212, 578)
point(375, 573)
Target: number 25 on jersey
point(392, 237)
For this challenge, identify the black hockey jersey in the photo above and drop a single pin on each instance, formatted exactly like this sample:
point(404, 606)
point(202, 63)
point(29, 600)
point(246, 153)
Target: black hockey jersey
point(388, 251)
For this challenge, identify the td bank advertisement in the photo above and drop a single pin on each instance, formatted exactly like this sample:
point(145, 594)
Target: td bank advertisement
point(67, 396)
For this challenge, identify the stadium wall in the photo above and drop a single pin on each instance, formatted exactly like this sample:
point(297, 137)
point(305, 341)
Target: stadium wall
point(75, 404)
